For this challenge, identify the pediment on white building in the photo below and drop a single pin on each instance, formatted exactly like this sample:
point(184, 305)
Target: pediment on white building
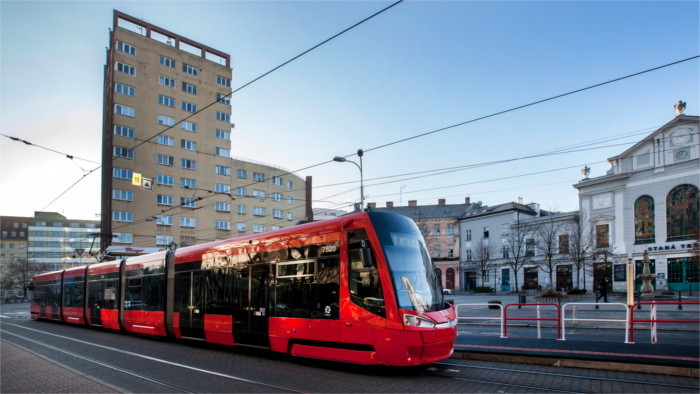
point(602, 218)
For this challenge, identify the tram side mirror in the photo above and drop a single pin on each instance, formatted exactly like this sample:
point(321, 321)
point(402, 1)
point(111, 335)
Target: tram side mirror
point(367, 259)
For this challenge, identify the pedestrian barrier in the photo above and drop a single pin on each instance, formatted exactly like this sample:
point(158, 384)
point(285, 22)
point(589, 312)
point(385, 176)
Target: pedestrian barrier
point(500, 307)
point(574, 319)
point(652, 318)
point(538, 318)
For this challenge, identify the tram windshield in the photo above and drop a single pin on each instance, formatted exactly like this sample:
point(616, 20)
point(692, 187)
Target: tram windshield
point(413, 272)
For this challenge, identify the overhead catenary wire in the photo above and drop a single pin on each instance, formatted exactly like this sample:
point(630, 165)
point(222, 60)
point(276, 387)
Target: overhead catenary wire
point(248, 84)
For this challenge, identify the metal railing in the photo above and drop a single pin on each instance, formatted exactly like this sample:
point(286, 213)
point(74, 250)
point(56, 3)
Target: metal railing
point(561, 318)
point(574, 319)
point(500, 307)
point(652, 318)
point(538, 318)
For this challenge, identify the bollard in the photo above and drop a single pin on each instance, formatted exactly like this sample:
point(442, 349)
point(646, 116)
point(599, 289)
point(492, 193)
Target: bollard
point(596, 300)
point(680, 307)
point(522, 299)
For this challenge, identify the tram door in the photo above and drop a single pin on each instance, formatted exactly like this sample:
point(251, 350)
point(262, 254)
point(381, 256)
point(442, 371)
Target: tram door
point(252, 308)
point(190, 303)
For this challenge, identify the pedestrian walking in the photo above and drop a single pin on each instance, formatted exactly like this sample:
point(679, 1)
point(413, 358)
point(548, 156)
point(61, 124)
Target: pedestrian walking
point(603, 290)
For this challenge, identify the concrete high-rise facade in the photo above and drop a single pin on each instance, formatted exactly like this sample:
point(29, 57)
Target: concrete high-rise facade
point(168, 177)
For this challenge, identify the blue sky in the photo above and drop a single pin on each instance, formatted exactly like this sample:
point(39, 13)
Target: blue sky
point(418, 67)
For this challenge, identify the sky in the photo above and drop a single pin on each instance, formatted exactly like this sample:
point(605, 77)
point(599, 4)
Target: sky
point(418, 67)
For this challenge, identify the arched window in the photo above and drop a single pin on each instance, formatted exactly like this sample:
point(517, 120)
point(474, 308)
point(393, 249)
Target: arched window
point(439, 274)
point(644, 220)
point(682, 208)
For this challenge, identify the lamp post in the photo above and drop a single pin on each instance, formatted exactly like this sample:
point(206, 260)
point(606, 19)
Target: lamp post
point(362, 187)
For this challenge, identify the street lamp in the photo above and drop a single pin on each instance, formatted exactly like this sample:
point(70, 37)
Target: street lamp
point(362, 187)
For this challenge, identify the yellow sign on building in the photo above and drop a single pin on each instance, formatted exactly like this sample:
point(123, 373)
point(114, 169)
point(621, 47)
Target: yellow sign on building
point(136, 179)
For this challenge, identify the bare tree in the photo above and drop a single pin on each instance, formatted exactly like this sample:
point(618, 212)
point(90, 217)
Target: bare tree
point(18, 273)
point(515, 244)
point(580, 247)
point(547, 244)
point(482, 259)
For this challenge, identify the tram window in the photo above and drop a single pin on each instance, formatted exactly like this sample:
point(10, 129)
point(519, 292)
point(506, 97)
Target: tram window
point(73, 292)
point(294, 297)
point(132, 300)
point(40, 295)
point(365, 286)
point(219, 291)
point(327, 289)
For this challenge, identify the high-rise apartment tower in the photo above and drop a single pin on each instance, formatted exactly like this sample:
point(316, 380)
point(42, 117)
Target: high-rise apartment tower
point(168, 178)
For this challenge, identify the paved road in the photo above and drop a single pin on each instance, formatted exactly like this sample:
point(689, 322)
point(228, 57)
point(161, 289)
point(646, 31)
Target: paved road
point(103, 361)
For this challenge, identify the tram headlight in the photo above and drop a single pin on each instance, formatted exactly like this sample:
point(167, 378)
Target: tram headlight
point(417, 321)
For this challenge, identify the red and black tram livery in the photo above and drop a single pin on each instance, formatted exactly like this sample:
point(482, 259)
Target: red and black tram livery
point(360, 288)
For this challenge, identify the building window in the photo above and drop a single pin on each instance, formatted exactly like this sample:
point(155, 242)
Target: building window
point(123, 195)
point(124, 89)
point(188, 126)
point(277, 197)
point(189, 88)
point(259, 211)
point(223, 81)
point(221, 188)
point(165, 81)
point(682, 210)
point(450, 229)
point(188, 164)
point(505, 230)
point(188, 202)
point(120, 151)
point(165, 160)
point(188, 183)
point(166, 120)
point(222, 170)
point(529, 247)
point(123, 131)
point(165, 180)
point(241, 191)
point(602, 236)
point(436, 251)
point(240, 226)
point(241, 209)
point(124, 110)
point(125, 68)
point(162, 220)
point(162, 199)
point(563, 243)
point(258, 177)
point(222, 207)
point(189, 107)
point(223, 152)
point(259, 194)
point(166, 101)
point(505, 252)
point(242, 174)
point(188, 222)
point(468, 255)
point(289, 216)
point(187, 241)
point(188, 145)
point(126, 48)
point(222, 225)
point(122, 216)
point(436, 229)
point(290, 200)
point(289, 184)
point(467, 235)
point(122, 173)
point(224, 135)
point(223, 117)
point(486, 232)
point(277, 181)
point(190, 69)
point(165, 140)
point(167, 62)
point(644, 220)
point(123, 238)
point(164, 240)
point(223, 98)
point(258, 228)
point(277, 213)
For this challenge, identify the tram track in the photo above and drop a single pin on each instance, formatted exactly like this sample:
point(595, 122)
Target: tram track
point(568, 376)
point(168, 386)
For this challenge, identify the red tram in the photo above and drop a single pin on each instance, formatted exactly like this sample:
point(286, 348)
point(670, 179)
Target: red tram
point(360, 288)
